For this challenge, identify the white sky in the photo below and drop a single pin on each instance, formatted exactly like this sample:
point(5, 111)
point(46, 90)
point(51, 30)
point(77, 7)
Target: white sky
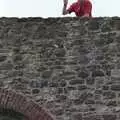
point(53, 8)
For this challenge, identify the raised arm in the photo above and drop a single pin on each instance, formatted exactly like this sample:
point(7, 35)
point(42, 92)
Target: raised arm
point(65, 11)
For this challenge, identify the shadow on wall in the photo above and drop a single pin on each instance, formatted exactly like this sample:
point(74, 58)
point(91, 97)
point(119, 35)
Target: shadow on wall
point(7, 114)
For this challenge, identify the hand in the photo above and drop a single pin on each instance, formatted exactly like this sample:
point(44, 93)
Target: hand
point(65, 2)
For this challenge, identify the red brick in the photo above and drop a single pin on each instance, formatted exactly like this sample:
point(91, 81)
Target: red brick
point(19, 103)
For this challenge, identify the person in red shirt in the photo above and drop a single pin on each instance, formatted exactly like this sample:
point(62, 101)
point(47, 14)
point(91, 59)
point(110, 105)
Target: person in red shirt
point(82, 8)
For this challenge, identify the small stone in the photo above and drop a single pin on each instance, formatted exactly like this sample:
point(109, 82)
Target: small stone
point(69, 88)
point(98, 92)
point(67, 73)
point(98, 73)
point(90, 81)
point(43, 84)
point(47, 74)
point(83, 74)
point(59, 90)
point(6, 66)
point(108, 72)
point(89, 101)
point(115, 73)
point(93, 25)
point(109, 95)
point(115, 23)
point(2, 58)
point(63, 83)
point(17, 58)
point(60, 52)
point(109, 117)
point(111, 103)
point(82, 87)
point(106, 28)
point(92, 117)
point(53, 84)
point(61, 97)
point(105, 87)
point(115, 87)
point(76, 81)
point(35, 91)
point(77, 116)
point(59, 111)
point(77, 102)
point(83, 97)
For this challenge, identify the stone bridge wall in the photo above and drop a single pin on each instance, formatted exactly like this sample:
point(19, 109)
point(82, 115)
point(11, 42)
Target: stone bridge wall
point(70, 66)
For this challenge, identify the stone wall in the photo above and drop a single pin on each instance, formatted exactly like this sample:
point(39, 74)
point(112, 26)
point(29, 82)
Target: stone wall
point(70, 66)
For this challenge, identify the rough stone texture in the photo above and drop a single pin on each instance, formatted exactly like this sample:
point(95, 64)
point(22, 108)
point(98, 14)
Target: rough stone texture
point(70, 66)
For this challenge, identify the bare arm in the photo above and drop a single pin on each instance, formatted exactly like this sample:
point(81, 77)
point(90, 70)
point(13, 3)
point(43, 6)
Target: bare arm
point(64, 12)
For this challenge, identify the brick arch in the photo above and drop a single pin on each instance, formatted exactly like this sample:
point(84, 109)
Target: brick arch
point(19, 103)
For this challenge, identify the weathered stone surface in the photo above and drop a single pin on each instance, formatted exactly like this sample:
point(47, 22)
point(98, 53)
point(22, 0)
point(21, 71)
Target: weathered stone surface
point(69, 65)
point(60, 52)
point(90, 81)
point(109, 95)
point(6, 66)
point(97, 73)
point(83, 74)
point(61, 97)
point(59, 112)
point(115, 87)
point(35, 91)
point(115, 73)
point(115, 23)
point(76, 81)
point(105, 87)
point(93, 117)
point(77, 101)
point(111, 103)
point(90, 101)
point(47, 74)
point(2, 58)
point(94, 25)
point(60, 91)
point(39, 84)
point(82, 87)
point(53, 84)
point(77, 116)
point(109, 117)
point(63, 83)
point(69, 88)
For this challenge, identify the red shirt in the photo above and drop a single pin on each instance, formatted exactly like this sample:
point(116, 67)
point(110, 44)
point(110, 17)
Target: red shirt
point(81, 10)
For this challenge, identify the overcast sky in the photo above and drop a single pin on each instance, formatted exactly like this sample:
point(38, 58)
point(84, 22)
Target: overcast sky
point(53, 8)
